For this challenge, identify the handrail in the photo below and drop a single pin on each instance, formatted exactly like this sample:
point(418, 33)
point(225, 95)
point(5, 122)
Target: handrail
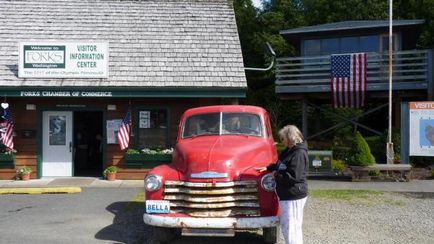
point(409, 66)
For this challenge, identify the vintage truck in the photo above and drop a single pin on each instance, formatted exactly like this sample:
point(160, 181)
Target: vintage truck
point(213, 187)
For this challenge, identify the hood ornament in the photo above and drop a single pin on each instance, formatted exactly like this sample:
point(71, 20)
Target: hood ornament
point(209, 174)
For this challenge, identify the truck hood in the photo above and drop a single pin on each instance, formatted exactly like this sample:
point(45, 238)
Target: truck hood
point(221, 157)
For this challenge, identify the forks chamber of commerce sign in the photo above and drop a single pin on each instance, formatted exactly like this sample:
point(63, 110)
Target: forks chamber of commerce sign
point(63, 60)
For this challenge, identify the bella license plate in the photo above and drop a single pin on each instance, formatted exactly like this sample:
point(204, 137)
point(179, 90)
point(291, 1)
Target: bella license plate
point(157, 206)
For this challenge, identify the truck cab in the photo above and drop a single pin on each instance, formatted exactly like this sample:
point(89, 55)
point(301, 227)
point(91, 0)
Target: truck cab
point(213, 187)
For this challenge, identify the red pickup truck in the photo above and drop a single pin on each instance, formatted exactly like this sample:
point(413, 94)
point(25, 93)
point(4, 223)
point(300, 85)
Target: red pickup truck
point(212, 187)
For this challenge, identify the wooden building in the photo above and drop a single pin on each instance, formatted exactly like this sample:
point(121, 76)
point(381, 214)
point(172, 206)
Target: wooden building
point(157, 57)
point(307, 78)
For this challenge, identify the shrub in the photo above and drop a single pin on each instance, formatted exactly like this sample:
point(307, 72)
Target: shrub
point(374, 173)
point(360, 154)
point(338, 165)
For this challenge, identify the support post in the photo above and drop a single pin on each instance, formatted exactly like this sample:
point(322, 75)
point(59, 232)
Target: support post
point(304, 115)
point(430, 74)
point(405, 133)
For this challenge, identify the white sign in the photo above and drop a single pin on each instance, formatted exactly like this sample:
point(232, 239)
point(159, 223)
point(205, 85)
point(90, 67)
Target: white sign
point(63, 60)
point(144, 119)
point(112, 130)
point(316, 163)
point(421, 128)
point(157, 206)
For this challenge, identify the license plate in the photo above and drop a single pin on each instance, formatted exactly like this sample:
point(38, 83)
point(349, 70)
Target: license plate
point(157, 206)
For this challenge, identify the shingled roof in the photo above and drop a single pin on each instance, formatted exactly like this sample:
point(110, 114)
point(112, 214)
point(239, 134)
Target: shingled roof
point(155, 43)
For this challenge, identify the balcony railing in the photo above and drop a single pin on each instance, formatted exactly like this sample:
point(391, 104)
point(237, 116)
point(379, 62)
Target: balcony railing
point(412, 70)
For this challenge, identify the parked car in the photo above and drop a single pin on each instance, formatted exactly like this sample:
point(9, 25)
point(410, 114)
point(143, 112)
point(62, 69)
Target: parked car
point(212, 186)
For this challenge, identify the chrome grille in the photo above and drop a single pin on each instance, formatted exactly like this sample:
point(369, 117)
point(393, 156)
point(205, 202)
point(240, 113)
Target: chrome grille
point(222, 199)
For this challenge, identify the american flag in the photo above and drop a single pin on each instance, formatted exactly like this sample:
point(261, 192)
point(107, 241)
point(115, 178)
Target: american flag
point(7, 130)
point(348, 80)
point(124, 131)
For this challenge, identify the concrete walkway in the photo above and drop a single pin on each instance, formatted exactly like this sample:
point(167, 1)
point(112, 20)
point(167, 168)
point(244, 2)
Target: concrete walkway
point(77, 182)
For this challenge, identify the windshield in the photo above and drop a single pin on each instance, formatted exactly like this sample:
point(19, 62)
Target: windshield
point(223, 124)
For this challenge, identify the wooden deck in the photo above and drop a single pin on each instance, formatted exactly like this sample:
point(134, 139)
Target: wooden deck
point(310, 76)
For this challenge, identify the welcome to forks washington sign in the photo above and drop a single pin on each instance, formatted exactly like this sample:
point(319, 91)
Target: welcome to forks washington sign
point(63, 60)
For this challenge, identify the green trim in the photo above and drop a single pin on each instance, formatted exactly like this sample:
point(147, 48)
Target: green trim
point(39, 149)
point(118, 92)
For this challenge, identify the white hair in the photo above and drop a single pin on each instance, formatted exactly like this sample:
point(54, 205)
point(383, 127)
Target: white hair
point(292, 134)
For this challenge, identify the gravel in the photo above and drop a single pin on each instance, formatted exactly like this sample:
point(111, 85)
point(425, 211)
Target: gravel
point(385, 218)
point(388, 218)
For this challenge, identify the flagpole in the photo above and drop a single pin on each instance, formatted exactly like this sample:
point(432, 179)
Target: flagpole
point(389, 149)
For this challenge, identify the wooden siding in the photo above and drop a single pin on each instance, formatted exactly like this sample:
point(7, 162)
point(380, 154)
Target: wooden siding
point(412, 70)
point(27, 148)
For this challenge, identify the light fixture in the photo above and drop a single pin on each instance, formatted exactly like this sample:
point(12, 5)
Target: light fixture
point(30, 107)
point(111, 107)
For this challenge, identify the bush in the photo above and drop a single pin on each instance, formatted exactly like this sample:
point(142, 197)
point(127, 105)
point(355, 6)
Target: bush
point(360, 154)
point(338, 165)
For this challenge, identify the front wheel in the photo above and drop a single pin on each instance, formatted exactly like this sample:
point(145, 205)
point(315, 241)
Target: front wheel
point(272, 235)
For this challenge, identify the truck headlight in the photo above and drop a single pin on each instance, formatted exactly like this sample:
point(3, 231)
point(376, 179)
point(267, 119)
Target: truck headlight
point(152, 182)
point(268, 183)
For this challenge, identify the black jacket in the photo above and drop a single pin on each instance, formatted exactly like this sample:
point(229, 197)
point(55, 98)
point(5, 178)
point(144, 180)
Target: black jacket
point(291, 173)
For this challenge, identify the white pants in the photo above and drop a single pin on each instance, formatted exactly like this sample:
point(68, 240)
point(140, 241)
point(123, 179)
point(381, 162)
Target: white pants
point(291, 220)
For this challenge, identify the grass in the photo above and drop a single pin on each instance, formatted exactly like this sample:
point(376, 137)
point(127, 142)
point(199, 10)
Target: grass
point(346, 195)
point(366, 197)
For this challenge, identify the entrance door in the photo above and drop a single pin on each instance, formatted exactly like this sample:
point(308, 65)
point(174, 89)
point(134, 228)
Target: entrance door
point(57, 143)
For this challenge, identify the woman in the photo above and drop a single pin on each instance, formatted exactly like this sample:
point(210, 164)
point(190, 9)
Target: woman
point(291, 185)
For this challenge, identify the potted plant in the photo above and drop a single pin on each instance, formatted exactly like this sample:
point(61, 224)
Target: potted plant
point(23, 173)
point(110, 173)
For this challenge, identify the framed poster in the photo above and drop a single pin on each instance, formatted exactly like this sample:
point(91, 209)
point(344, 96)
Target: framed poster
point(112, 130)
point(57, 134)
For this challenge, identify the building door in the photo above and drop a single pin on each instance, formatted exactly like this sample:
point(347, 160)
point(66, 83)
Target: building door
point(57, 143)
point(88, 135)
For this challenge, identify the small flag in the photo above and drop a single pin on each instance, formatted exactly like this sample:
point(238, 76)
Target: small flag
point(7, 130)
point(348, 80)
point(124, 131)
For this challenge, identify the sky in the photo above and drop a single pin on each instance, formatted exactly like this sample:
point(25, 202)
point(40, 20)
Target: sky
point(256, 3)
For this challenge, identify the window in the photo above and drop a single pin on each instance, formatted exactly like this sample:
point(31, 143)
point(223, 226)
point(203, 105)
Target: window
point(312, 47)
point(349, 44)
point(222, 124)
point(385, 42)
point(329, 46)
point(153, 128)
point(369, 44)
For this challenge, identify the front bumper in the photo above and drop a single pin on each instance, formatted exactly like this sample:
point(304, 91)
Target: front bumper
point(216, 223)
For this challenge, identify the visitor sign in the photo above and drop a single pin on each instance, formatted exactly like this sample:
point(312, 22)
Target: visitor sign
point(421, 128)
point(63, 60)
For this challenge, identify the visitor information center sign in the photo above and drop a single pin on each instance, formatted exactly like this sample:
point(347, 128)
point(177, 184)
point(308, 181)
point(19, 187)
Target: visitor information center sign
point(421, 128)
point(63, 60)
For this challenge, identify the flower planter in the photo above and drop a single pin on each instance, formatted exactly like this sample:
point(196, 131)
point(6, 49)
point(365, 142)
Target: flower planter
point(25, 177)
point(7, 160)
point(147, 160)
point(111, 176)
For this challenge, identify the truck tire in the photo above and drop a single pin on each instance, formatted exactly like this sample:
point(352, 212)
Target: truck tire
point(158, 235)
point(272, 235)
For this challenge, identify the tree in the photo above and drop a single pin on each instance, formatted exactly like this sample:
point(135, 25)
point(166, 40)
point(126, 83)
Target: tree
point(360, 153)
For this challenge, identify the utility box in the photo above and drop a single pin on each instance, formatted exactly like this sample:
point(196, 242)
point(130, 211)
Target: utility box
point(320, 161)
